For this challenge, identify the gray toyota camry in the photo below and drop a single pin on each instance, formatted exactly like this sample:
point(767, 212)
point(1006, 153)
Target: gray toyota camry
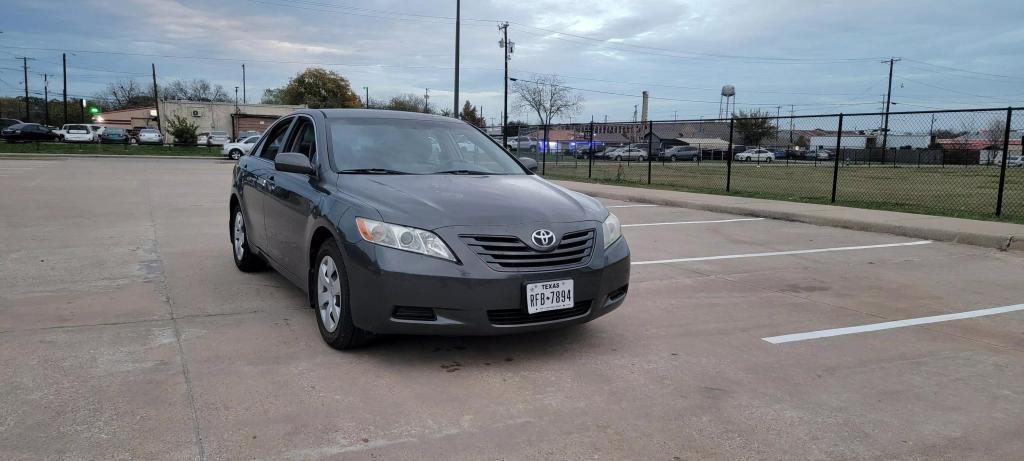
point(397, 222)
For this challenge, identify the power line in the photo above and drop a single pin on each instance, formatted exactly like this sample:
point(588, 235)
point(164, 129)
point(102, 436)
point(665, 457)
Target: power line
point(956, 69)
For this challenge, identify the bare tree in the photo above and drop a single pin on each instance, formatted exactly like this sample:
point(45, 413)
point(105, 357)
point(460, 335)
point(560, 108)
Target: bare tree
point(547, 97)
point(194, 90)
point(125, 93)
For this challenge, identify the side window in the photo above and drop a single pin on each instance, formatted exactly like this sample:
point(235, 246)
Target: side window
point(275, 139)
point(303, 140)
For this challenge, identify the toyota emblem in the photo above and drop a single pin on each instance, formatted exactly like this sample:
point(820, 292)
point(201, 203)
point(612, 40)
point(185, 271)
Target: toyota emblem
point(543, 238)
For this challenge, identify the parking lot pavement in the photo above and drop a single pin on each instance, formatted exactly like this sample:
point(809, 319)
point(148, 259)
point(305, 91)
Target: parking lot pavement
point(126, 332)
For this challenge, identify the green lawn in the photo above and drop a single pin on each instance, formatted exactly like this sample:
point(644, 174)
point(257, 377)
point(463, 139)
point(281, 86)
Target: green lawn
point(107, 149)
point(960, 191)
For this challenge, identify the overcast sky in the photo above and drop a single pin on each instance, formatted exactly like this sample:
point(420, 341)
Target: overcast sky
point(820, 56)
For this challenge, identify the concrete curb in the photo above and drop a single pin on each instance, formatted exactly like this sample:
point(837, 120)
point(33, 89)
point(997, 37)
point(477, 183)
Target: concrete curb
point(187, 157)
point(1002, 236)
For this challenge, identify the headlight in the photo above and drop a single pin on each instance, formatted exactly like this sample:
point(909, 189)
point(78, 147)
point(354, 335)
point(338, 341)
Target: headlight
point(612, 229)
point(403, 238)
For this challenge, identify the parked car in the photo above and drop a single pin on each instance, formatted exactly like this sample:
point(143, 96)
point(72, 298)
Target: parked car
point(243, 135)
point(201, 138)
point(114, 135)
point(150, 136)
point(628, 153)
point(235, 150)
point(522, 143)
point(779, 153)
point(348, 204)
point(217, 138)
point(6, 122)
point(680, 153)
point(25, 132)
point(77, 133)
point(818, 154)
point(755, 155)
point(1014, 161)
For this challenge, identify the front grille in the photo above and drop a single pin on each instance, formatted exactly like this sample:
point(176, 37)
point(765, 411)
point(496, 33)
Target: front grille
point(508, 253)
point(521, 317)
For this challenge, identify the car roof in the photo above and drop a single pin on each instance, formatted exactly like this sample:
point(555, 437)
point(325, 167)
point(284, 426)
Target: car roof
point(376, 113)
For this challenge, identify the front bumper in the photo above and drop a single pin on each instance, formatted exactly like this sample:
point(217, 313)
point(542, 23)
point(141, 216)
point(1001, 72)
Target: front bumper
point(470, 298)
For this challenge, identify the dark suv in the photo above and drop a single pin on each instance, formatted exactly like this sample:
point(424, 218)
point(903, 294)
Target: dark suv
point(397, 222)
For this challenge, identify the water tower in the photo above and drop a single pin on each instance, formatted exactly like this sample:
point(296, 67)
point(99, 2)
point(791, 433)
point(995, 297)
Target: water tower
point(728, 95)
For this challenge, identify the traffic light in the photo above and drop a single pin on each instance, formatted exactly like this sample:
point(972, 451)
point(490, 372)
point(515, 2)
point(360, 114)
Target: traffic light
point(94, 110)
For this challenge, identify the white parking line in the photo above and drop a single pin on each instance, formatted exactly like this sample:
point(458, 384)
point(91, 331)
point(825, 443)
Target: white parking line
point(692, 222)
point(627, 206)
point(782, 253)
point(894, 324)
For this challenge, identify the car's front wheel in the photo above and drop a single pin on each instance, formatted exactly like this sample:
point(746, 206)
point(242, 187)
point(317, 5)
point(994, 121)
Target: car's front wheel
point(331, 298)
point(245, 259)
point(235, 154)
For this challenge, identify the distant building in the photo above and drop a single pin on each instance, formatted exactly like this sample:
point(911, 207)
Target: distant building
point(225, 116)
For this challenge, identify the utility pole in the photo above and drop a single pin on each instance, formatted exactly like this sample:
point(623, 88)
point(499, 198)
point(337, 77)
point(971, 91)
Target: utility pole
point(458, 19)
point(675, 115)
point(236, 99)
point(426, 100)
point(244, 100)
point(64, 57)
point(888, 102)
point(508, 46)
point(791, 125)
point(156, 103)
point(46, 99)
point(24, 62)
point(367, 104)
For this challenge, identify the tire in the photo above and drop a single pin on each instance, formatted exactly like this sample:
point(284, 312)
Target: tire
point(329, 296)
point(235, 154)
point(642, 159)
point(533, 148)
point(768, 160)
point(672, 158)
point(618, 158)
point(245, 259)
point(747, 159)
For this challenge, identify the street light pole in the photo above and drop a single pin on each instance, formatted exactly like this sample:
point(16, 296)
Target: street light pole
point(367, 103)
point(507, 46)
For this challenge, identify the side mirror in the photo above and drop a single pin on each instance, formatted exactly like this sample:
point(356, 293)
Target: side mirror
point(291, 162)
point(529, 163)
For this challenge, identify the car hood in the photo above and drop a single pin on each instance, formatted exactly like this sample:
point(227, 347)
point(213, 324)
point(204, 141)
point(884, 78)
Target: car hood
point(434, 201)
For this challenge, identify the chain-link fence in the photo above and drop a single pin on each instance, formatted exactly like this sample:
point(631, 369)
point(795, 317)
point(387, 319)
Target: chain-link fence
point(935, 162)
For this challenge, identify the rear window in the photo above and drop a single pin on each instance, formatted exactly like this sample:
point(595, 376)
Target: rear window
point(78, 129)
point(219, 133)
point(147, 131)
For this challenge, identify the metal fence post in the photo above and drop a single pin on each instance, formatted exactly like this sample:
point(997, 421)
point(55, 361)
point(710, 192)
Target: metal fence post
point(650, 148)
point(544, 155)
point(1002, 168)
point(728, 161)
point(835, 166)
point(590, 151)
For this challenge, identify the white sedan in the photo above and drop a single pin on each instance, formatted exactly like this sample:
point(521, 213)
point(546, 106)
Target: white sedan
point(628, 153)
point(78, 133)
point(235, 150)
point(755, 155)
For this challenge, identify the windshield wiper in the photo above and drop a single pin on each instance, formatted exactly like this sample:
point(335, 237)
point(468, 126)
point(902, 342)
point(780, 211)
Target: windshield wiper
point(372, 171)
point(472, 172)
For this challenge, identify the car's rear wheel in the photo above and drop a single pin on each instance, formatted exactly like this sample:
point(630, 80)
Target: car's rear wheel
point(672, 158)
point(618, 158)
point(245, 259)
point(235, 154)
point(331, 298)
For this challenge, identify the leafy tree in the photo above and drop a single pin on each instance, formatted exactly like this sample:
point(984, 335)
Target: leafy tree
point(470, 115)
point(183, 129)
point(316, 88)
point(802, 141)
point(272, 96)
point(547, 97)
point(407, 102)
point(754, 126)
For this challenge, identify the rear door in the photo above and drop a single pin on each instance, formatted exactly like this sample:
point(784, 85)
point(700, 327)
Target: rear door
point(291, 200)
point(255, 180)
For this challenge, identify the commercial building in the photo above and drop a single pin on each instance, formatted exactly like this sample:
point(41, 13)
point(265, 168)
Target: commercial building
point(224, 116)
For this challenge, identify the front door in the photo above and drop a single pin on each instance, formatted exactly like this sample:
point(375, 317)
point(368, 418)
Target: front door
point(289, 205)
point(257, 179)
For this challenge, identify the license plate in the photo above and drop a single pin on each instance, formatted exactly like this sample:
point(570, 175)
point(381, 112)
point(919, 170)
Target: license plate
point(548, 296)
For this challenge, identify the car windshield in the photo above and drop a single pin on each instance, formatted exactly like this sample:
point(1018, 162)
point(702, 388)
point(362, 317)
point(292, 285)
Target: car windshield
point(397, 146)
point(114, 131)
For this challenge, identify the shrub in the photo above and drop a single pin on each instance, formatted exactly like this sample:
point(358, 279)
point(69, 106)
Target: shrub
point(183, 130)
